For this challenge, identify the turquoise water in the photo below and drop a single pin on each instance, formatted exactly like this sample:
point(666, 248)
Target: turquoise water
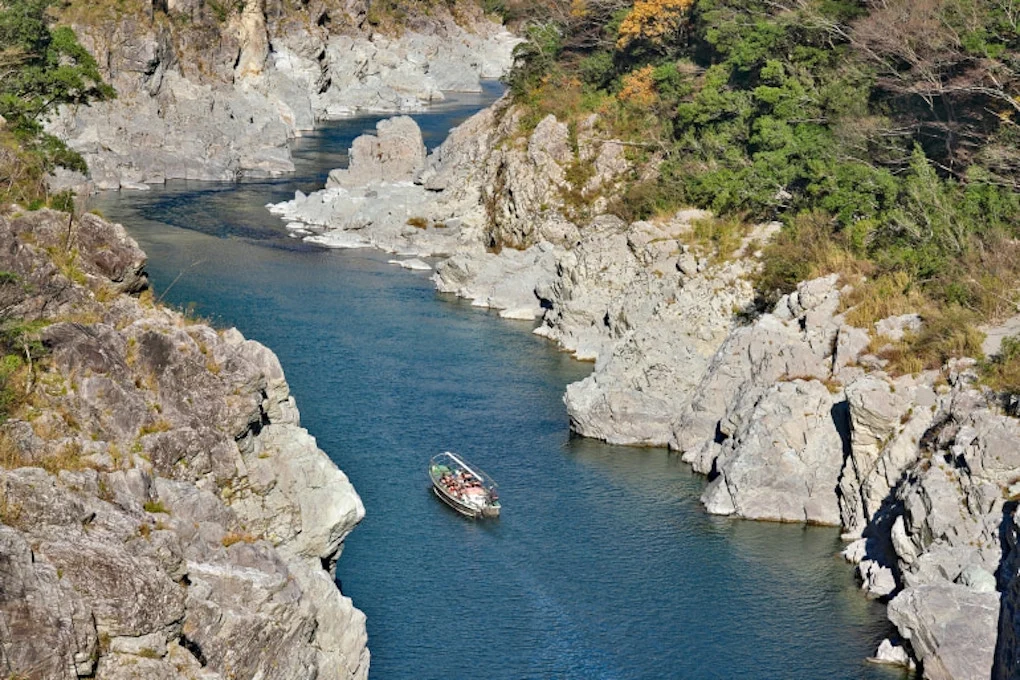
point(603, 564)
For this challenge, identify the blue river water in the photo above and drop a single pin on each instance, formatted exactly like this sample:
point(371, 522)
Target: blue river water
point(603, 564)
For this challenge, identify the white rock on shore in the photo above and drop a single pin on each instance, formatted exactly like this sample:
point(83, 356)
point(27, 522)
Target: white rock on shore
point(413, 264)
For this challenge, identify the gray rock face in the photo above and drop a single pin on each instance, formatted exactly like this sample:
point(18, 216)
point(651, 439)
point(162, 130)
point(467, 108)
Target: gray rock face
point(529, 179)
point(381, 73)
point(33, 600)
point(795, 341)
point(200, 98)
point(945, 528)
point(191, 132)
point(782, 462)
point(887, 422)
point(528, 190)
point(624, 299)
point(162, 512)
point(948, 628)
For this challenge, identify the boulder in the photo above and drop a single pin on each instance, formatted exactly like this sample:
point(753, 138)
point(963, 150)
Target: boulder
point(783, 462)
point(396, 153)
point(893, 654)
point(951, 629)
point(893, 328)
point(877, 580)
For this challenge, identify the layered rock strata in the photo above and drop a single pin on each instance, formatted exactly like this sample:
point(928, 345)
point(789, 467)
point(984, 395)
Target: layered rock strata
point(788, 412)
point(162, 512)
point(207, 92)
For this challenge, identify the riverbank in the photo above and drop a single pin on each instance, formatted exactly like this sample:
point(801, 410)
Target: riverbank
point(660, 308)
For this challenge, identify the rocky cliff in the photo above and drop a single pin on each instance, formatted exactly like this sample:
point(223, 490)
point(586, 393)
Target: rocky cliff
point(214, 91)
point(162, 512)
point(789, 413)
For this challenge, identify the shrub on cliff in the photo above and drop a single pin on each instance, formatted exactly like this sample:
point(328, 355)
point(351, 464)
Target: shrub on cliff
point(40, 67)
point(18, 345)
point(1003, 372)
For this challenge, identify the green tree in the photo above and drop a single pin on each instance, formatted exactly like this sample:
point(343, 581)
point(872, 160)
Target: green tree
point(42, 68)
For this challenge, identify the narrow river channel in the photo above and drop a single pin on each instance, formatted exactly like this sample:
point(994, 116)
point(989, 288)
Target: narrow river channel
point(603, 565)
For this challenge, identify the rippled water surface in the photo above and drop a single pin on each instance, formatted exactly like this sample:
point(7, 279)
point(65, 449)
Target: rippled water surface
point(603, 564)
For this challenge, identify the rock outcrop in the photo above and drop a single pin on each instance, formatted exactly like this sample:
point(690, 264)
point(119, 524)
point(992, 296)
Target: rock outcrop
point(635, 299)
point(944, 535)
point(446, 211)
point(782, 462)
point(162, 512)
point(207, 91)
point(396, 153)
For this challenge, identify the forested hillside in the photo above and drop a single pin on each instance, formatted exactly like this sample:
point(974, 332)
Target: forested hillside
point(883, 134)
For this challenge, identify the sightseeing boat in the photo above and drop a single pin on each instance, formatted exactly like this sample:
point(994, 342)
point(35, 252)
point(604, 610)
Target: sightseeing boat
point(463, 487)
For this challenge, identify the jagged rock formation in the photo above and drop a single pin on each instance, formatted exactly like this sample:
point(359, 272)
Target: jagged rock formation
point(943, 534)
point(630, 291)
point(162, 512)
point(788, 414)
point(207, 93)
point(446, 210)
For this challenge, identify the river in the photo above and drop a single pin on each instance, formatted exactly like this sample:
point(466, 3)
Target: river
point(603, 564)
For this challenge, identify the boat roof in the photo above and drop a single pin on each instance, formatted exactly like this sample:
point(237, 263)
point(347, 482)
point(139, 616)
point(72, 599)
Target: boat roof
point(451, 457)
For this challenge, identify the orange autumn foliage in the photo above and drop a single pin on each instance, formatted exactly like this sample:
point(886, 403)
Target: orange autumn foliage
point(652, 20)
point(639, 88)
point(578, 9)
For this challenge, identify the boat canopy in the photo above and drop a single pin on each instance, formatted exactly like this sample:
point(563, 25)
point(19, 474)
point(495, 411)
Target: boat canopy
point(448, 462)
